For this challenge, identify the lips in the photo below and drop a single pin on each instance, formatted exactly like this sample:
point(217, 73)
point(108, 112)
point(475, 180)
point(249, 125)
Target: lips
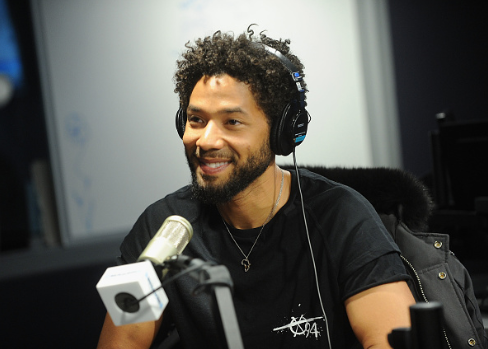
point(212, 167)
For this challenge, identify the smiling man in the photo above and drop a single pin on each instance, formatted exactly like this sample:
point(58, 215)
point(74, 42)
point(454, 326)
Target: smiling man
point(226, 140)
point(311, 262)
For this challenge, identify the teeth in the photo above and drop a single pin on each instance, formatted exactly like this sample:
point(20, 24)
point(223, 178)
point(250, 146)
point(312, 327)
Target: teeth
point(216, 164)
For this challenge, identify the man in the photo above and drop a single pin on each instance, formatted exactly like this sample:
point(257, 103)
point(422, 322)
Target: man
point(247, 214)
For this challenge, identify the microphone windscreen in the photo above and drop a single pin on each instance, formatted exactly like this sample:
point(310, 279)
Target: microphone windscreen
point(178, 231)
point(170, 240)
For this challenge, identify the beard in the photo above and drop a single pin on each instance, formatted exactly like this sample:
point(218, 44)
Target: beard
point(240, 178)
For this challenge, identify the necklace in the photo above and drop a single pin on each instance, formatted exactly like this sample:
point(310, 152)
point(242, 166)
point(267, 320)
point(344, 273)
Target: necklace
point(245, 261)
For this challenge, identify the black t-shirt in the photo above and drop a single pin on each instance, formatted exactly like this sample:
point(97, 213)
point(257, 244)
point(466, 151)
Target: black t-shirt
point(276, 301)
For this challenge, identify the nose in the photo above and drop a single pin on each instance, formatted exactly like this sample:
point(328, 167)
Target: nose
point(211, 137)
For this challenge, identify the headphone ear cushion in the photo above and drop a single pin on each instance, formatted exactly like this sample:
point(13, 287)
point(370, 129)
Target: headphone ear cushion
point(279, 139)
point(289, 130)
point(276, 137)
point(180, 122)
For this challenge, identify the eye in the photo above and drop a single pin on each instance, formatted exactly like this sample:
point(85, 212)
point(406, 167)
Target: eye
point(234, 122)
point(193, 119)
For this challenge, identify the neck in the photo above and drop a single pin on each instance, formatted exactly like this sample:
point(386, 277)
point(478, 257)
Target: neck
point(252, 207)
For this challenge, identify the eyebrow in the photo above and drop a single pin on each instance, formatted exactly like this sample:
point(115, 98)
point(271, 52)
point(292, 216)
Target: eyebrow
point(195, 109)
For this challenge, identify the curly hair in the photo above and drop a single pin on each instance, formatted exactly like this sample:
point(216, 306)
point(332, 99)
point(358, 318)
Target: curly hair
point(242, 59)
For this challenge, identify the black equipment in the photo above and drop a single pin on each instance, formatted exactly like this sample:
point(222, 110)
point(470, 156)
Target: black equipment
point(426, 331)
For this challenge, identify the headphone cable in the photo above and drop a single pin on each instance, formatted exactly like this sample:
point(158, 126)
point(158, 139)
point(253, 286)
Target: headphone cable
point(311, 251)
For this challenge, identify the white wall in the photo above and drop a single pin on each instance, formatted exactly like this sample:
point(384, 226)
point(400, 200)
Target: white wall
point(107, 68)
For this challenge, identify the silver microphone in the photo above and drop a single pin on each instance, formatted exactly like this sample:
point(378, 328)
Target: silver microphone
point(170, 240)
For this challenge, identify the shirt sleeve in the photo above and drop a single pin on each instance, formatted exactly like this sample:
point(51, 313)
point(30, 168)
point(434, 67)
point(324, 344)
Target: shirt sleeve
point(382, 270)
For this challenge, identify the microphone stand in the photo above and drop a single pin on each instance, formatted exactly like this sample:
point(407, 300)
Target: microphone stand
point(217, 279)
point(426, 331)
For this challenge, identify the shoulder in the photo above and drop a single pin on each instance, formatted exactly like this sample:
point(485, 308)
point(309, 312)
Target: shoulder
point(320, 190)
point(179, 203)
point(343, 216)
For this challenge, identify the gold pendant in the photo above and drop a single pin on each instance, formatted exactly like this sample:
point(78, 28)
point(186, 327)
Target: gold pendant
point(245, 262)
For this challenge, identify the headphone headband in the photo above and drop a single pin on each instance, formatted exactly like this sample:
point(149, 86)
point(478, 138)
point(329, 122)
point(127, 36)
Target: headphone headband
point(292, 69)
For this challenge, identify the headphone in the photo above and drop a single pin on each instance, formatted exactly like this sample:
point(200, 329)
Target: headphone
point(290, 129)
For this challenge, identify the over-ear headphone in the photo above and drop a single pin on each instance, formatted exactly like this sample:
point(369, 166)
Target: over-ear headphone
point(290, 129)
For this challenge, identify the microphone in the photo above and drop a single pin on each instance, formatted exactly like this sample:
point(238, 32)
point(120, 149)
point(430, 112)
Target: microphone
point(170, 240)
point(133, 293)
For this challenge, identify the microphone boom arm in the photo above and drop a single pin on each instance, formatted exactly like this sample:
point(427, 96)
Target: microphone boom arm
point(217, 280)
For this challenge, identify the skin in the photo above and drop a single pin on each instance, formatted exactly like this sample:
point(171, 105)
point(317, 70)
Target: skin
point(225, 128)
point(375, 312)
point(136, 336)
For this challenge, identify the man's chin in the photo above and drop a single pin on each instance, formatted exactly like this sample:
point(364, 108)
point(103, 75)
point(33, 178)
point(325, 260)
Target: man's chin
point(206, 180)
point(211, 194)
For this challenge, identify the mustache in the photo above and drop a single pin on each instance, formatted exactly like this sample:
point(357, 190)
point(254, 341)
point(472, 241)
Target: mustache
point(214, 154)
